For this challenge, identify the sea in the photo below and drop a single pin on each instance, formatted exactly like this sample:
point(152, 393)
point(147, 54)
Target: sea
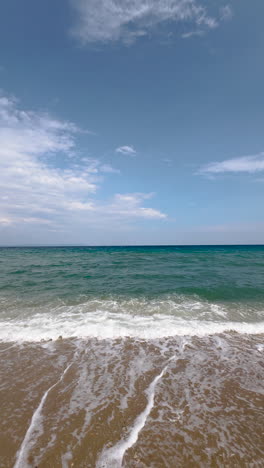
point(134, 357)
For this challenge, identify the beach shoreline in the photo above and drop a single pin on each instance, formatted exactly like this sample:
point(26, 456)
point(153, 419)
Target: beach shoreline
point(92, 402)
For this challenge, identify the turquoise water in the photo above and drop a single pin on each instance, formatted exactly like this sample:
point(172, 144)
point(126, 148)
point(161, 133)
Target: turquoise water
point(207, 284)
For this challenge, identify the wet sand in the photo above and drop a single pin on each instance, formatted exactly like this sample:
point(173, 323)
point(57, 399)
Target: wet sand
point(171, 402)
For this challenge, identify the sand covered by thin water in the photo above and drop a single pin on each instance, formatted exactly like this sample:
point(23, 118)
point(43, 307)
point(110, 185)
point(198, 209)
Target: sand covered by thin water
point(183, 401)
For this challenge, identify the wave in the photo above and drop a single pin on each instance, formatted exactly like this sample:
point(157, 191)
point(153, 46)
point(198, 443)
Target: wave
point(139, 318)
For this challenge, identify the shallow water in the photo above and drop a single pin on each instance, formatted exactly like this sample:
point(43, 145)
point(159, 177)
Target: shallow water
point(128, 402)
point(144, 357)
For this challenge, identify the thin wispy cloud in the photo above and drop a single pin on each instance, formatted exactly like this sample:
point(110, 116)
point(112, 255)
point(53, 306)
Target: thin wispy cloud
point(44, 182)
point(132, 204)
point(196, 33)
point(126, 206)
point(127, 150)
point(226, 13)
point(249, 164)
point(128, 20)
point(167, 161)
point(107, 168)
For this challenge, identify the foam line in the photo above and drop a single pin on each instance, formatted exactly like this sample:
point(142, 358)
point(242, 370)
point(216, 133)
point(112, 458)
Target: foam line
point(110, 325)
point(6, 349)
point(172, 315)
point(113, 457)
point(21, 461)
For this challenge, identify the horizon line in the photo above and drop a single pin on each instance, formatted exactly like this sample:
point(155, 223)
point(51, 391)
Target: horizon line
point(129, 245)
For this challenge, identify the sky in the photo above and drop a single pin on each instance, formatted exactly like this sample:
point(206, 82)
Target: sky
point(129, 122)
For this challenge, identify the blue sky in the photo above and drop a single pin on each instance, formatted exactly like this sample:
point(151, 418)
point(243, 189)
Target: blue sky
point(131, 122)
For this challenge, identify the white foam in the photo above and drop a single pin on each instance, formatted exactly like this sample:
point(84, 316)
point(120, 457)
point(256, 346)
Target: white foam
point(113, 457)
point(35, 428)
point(6, 349)
point(109, 325)
point(260, 347)
point(142, 318)
point(66, 458)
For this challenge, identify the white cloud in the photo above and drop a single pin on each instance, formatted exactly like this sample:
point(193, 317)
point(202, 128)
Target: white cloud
point(5, 221)
point(128, 150)
point(189, 34)
point(249, 164)
point(126, 20)
point(125, 206)
point(43, 181)
point(107, 168)
point(130, 205)
point(27, 181)
point(226, 13)
point(81, 206)
point(167, 161)
point(26, 132)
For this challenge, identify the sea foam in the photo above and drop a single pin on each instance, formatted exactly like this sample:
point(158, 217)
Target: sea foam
point(107, 325)
point(137, 317)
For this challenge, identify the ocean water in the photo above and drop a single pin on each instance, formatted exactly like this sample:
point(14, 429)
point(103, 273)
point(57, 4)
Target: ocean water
point(132, 356)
